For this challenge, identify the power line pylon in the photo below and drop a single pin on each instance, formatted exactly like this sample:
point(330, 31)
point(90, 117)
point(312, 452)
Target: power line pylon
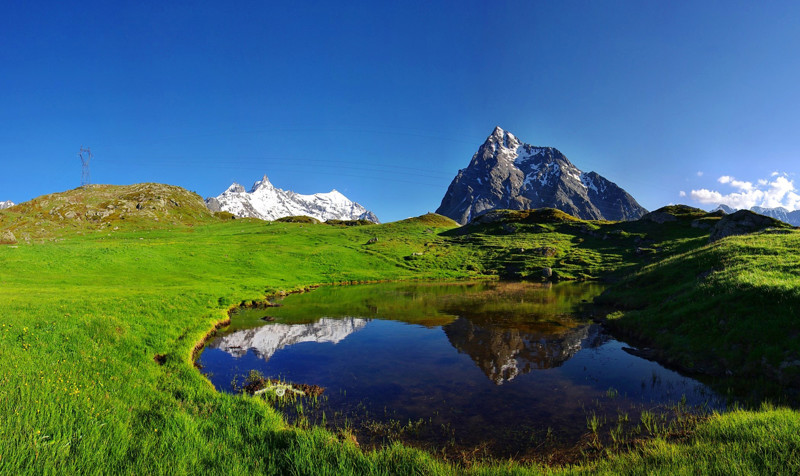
point(86, 156)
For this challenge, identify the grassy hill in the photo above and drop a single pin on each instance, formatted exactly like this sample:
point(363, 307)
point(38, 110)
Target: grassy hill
point(103, 279)
point(104, 208)
point(730, 308)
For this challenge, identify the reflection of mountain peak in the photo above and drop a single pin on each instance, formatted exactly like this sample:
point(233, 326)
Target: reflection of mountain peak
point(268, 339)
point(504, 353)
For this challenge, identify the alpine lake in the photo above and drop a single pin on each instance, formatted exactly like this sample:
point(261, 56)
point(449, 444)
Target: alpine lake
point(466, 370)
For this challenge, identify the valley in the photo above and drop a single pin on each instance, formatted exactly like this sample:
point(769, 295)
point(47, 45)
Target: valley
point(102, 315)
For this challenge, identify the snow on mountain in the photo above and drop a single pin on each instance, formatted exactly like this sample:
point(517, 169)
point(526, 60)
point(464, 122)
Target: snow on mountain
point(270, 338)
point(6, 204)
point(507, 173)
point(725, 208)
point(267, 202)
point(778, 213)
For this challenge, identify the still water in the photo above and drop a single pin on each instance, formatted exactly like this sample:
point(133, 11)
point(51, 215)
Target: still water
point(504, 367)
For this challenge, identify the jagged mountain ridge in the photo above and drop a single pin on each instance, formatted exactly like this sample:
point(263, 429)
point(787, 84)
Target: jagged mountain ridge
point(778, 213)
point(6, 204)
point(267, 202)
point(506, 173)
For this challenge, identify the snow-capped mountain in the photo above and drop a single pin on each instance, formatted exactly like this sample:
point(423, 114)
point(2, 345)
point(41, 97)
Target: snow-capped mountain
point(270, 338)
point(725, 208)
point(268, 202)
point(778, 213)
point(6, 204)
point(507, 173)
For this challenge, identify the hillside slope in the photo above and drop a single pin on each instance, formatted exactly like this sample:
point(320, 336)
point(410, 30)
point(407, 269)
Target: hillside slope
point(98, 328)
point(104, 208)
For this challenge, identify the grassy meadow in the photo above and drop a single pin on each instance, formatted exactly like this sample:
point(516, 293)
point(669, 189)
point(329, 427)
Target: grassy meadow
point(88, 305)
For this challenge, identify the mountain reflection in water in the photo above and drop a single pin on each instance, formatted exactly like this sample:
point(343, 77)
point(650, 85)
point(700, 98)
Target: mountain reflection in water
point(266, 340)
point(503, 353)
point(490, 365)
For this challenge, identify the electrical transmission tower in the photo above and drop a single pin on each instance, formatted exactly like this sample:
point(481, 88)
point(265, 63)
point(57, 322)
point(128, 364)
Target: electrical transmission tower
point(86, 156)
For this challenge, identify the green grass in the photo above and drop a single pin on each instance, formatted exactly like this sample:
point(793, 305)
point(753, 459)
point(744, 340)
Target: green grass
point(87, 307)
point(732, 307)
point(83, 318)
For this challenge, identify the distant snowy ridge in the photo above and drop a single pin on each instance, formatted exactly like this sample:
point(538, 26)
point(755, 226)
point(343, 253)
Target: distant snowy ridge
point(6, 204)
point(778, 213)
point(268, 202)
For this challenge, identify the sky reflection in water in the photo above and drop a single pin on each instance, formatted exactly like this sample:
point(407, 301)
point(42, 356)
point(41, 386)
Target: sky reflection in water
point(484, 362)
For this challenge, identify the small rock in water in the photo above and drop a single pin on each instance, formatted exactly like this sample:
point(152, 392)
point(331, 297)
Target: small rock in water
point(547, 272)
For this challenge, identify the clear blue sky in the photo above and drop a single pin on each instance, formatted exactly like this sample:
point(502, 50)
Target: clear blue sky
point(386, 100)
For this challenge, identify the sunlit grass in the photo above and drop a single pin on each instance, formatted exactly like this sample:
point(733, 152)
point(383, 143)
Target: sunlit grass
point(82, 318)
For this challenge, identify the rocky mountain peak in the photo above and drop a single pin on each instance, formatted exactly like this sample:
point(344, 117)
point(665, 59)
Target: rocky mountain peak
point(6, 204)
point(503, 139)
point(235, 188)
point(263, 184)
point(508, 173)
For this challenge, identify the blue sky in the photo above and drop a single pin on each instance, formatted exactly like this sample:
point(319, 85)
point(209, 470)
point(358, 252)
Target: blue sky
point(677, 102)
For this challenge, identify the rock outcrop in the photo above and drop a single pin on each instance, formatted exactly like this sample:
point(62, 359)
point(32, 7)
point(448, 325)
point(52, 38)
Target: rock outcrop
point(742, 223)
point(7, 238)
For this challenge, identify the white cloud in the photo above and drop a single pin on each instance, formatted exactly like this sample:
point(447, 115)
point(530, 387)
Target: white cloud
point(745, 186)
point(777, 192)
point(707, 196)
point(699, 173)
point(682, 193)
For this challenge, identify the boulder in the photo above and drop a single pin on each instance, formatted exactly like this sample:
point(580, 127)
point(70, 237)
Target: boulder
point(701, 224)
point(7, 238)
point(742, 222)
point(545, 251)
point(547, 272)
point(659, 217)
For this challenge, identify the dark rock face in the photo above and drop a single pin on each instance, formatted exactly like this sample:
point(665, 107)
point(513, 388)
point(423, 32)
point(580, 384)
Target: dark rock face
point(659, 217)
point(741, 223)
point(506, 173)
point(213, 204)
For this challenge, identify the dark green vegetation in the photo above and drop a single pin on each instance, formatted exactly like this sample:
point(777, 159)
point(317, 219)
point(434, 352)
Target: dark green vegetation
point(109, 289)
